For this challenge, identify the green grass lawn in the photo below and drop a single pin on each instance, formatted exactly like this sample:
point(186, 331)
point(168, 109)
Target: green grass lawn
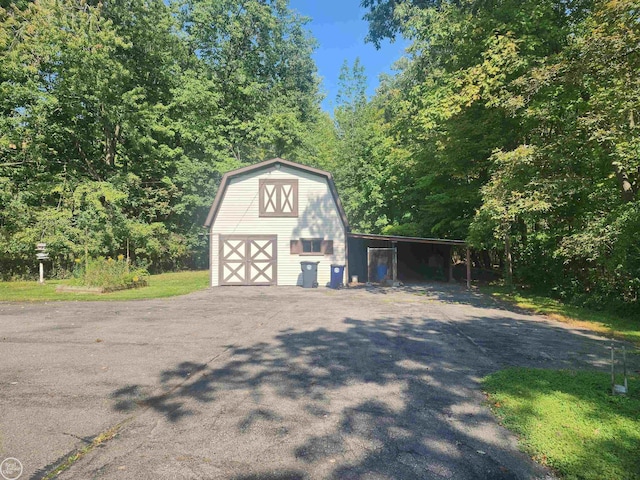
point(163, 285)
point(606, 323)
point(569, 421)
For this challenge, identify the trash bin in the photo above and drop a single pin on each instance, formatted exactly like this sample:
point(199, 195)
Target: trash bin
point(309, 274)
point(381, 272)
point(337, 276)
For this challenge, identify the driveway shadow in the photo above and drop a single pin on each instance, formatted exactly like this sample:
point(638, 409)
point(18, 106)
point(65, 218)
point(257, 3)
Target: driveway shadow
point(405, 391)
point(450, 293)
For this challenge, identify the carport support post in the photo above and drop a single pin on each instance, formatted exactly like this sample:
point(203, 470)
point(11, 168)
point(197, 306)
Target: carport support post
point(395, 263)
point(468, 269)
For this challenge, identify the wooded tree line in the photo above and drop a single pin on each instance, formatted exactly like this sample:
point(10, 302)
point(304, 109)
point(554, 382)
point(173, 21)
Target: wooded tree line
point(119, 117)
point(512, 123)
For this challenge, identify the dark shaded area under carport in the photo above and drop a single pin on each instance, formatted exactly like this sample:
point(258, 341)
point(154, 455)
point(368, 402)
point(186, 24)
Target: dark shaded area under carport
point(419, 259)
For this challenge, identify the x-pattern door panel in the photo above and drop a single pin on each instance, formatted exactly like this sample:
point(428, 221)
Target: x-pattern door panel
point(232, 261)
point(270, 198)
point(248, 260)
point(286, 198)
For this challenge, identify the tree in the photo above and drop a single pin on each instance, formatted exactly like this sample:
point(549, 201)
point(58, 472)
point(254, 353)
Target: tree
point(147, 103)
point(519, 124)
point(385, 17)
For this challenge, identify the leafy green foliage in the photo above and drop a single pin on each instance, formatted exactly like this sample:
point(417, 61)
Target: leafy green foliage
point(511, 123)
point(514, 124)
point(366, 165)
point(580, 212)
point(111, 273)
point(569, 420)
point(118, 120)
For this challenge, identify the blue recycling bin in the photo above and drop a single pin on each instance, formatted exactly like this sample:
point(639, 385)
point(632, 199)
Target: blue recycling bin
point(337, 276)
point(381, 272)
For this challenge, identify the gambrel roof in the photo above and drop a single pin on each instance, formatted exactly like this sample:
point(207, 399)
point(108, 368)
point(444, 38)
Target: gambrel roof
point(226, 178)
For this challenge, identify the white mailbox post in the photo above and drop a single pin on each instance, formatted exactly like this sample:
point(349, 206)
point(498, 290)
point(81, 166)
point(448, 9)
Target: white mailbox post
point(41, 255)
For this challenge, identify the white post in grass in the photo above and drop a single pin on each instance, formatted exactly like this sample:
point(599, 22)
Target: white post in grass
point(41, 255)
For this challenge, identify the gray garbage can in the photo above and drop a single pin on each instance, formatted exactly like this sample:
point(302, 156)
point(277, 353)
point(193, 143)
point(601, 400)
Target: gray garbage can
point(309, 274)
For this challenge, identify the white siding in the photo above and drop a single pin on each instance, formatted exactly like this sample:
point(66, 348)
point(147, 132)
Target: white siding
point(214, 245)
point(318, 217)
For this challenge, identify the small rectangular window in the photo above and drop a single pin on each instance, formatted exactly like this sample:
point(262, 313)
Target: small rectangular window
point(311, 246)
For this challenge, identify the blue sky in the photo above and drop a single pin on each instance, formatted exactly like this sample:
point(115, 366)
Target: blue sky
point(339, 29)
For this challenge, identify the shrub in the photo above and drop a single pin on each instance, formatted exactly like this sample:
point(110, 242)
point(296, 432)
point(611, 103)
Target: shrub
point(111, 273)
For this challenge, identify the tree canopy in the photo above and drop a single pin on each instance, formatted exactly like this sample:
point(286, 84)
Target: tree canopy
point(119, 118)
point(510, 123)
point(518, 123)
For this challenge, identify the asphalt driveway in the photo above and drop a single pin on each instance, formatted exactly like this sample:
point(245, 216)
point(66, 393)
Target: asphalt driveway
point(272, 383)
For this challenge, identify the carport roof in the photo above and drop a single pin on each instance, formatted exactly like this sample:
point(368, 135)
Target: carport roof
point(398, 238)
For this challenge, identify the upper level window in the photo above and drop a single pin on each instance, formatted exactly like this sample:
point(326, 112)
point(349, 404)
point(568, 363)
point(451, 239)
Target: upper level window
point(278, 198)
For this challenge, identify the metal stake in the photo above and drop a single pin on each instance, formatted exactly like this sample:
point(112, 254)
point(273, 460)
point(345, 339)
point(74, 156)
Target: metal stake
point(613, 374)
point(615, 388)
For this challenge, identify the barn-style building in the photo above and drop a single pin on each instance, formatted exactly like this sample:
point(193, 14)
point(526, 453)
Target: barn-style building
point(268, 217)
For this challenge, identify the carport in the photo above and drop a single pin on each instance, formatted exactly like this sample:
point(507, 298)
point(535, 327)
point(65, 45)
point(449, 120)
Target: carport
point(418, 258)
